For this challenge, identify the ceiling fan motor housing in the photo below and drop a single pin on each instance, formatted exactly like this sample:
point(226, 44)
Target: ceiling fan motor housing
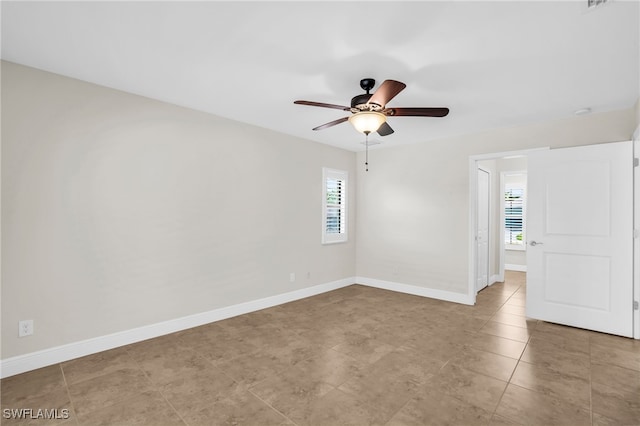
point(359, 102)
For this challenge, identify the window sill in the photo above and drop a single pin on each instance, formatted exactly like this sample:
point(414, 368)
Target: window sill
point(328, 243)
point(515, 248)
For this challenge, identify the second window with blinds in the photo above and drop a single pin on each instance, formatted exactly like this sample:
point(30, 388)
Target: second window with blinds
point(515, 185)
point(334, 206)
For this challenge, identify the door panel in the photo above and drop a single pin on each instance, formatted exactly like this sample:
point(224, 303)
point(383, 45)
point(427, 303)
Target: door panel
point(580, 232)
point(582, 187)
point(563, 273)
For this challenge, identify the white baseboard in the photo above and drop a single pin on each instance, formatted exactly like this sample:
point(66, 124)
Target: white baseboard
point(449, 296)
point(31, 361)
point(514, 267)
point(494, 279)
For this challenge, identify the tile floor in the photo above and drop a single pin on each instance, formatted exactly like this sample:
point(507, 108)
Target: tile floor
point(355, 356)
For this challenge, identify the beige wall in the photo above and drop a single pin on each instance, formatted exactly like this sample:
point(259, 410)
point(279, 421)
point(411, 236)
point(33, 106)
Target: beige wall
point(413, 204)
point(637, 108)
point(119, 211)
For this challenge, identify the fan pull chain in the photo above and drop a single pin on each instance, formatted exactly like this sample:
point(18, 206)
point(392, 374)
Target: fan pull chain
point(366, 144)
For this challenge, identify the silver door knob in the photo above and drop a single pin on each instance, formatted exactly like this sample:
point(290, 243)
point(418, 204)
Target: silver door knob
point(535, 243)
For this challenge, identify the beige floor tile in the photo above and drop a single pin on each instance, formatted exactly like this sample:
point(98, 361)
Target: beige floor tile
point(539, 378)
point(106, 390)
point(252, 368)
point(623, 411)
point(516, 320)
point(497, 420)
point(470, 387)
point(616, 392)
point(563, 335)
point(291, 391)
point(238, 408)
point(294, 351)
point(516, 302)
point(37, 382)
point(437, 409)
point(53, 408)
point(98, 364)
point(217, 344)
point(337, 408)
point(519, 404)
point(194, 393)
point(172, 364)
point(331, 367)
point(392, 381)
point(363, 348)
point(612, 341)
point(564, 360)
point(507, 331)
point(472, 322)
point(600, 420)
point(487, 363)
point(622, 382)
point(513, 310)
point(438, 346)
point(496, 345)
point(149, 408)
point(615, 355)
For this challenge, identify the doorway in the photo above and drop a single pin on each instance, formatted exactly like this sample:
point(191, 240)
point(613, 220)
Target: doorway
point(498, 165)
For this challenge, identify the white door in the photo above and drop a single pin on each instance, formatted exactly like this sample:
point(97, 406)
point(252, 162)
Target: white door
point(482, 240)
point(580, 236)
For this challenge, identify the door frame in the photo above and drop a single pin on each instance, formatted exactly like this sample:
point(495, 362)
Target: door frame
point(473, 210)
point(636, 241)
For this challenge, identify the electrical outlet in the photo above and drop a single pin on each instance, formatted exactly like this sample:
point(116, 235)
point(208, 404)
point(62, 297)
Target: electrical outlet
point(292, 277)
point(25, 328)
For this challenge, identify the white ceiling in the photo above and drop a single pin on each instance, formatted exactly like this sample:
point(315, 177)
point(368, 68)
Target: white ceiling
point(494, 64)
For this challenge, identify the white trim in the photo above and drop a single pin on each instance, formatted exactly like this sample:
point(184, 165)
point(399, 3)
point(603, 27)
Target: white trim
point(432, 293)
point(31, 361)
point(495, 279)
point(636, 241)
point(514, 267)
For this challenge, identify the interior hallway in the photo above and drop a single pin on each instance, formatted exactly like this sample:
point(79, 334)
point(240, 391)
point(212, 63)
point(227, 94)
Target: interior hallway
point(357, 355)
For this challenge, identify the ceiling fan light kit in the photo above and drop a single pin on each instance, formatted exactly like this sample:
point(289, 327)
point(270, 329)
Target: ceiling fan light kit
point(370, 112)
point(367, 121)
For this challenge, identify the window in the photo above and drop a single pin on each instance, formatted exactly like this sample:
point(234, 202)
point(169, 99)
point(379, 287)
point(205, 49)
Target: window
point(514, 212)
point(334, 206)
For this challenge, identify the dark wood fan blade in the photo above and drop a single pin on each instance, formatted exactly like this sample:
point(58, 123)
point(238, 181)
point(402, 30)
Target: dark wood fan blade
point(387, 91)
point(385, 129)
point(331, 123)
point(323, 105)
point(416, 112)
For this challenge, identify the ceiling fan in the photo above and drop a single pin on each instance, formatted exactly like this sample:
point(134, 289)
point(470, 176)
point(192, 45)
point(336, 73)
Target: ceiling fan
point(369, 112)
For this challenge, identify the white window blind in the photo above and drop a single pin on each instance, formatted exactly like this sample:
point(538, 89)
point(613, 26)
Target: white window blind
point(514, 207)
point(334, 206)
